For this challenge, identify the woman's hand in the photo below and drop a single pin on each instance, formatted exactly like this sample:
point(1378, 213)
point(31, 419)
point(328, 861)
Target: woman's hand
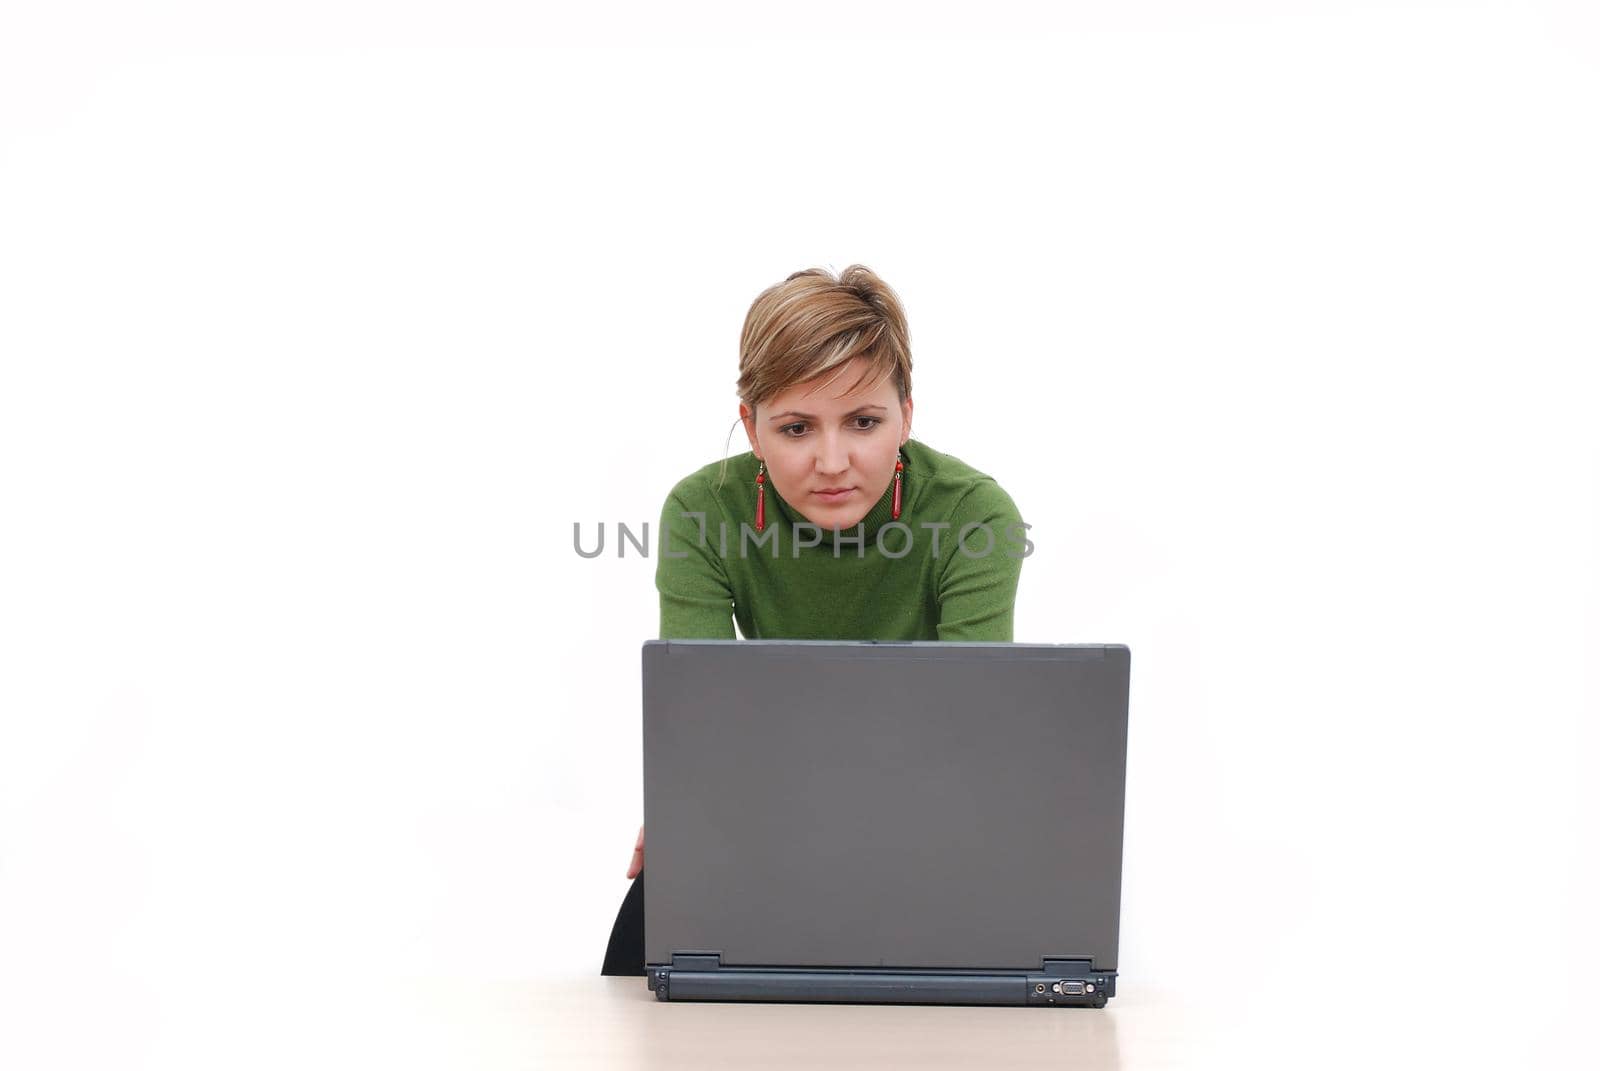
point(636, 867)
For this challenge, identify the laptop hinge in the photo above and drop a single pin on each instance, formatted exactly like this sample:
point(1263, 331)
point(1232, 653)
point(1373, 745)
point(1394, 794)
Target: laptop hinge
point(1059, 965)
point(656, 977)
point(1078, 975)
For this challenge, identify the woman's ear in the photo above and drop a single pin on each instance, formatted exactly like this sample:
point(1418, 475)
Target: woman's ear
point(905, 416)
point(747, 416)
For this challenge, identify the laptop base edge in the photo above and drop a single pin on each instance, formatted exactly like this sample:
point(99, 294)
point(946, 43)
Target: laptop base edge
point(1059, 983)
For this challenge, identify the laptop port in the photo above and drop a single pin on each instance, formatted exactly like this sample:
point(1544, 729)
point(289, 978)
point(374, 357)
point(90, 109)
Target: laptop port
point(1071, 989)
point(1039, 988)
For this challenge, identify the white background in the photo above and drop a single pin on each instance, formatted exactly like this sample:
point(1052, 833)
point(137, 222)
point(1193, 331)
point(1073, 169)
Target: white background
point(321, 324)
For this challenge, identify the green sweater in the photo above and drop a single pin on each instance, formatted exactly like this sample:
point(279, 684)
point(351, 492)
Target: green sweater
point(876, 581)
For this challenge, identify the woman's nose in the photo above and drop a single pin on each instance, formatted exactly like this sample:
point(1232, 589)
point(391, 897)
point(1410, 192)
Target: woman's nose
point(832, 456)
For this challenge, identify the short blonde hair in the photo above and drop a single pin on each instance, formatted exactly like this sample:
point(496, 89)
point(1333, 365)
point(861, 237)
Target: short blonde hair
point(812, 322)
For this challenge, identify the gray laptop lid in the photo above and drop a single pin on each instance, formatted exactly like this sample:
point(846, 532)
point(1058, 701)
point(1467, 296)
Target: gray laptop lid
point(915, 805)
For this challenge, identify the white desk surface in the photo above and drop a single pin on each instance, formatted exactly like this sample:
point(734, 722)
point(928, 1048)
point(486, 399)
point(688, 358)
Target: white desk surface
point(594, 1022)
point(618, 1023)
point(313, 1020)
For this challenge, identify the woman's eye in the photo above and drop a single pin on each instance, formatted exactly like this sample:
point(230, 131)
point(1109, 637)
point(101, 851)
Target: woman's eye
point(864, 423)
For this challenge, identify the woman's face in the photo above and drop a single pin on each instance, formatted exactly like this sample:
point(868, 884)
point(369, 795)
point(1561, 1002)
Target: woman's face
point(829, 454)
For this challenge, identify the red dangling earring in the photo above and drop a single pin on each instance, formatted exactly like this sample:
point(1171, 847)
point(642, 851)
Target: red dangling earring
point(761, 495)
point(899, 467)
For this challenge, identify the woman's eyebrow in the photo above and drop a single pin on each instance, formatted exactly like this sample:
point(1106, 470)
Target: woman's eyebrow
point(807, 416)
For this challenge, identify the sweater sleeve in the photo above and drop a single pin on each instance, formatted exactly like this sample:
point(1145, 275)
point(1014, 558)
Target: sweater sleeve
point(696, 598)
point(978, 584)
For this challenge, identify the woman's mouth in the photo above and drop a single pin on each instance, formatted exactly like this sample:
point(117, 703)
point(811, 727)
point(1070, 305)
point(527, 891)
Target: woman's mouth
point(837, 494)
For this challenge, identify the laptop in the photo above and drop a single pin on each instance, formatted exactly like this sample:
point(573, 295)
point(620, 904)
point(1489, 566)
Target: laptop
point(876, 822)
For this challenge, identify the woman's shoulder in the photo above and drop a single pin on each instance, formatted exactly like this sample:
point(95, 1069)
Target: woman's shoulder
point(936, 463)
point(713, 483)
point(935, 476)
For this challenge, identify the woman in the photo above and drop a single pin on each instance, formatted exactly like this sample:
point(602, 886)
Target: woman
point(836, 525)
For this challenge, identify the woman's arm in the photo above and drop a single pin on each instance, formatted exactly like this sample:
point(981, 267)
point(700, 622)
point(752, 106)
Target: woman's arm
point(978, 584)
point(696, 598)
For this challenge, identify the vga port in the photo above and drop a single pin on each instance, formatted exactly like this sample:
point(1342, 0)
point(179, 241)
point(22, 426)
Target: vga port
point(1071, 989)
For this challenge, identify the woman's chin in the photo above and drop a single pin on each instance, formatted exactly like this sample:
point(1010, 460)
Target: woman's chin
point(829, 519)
